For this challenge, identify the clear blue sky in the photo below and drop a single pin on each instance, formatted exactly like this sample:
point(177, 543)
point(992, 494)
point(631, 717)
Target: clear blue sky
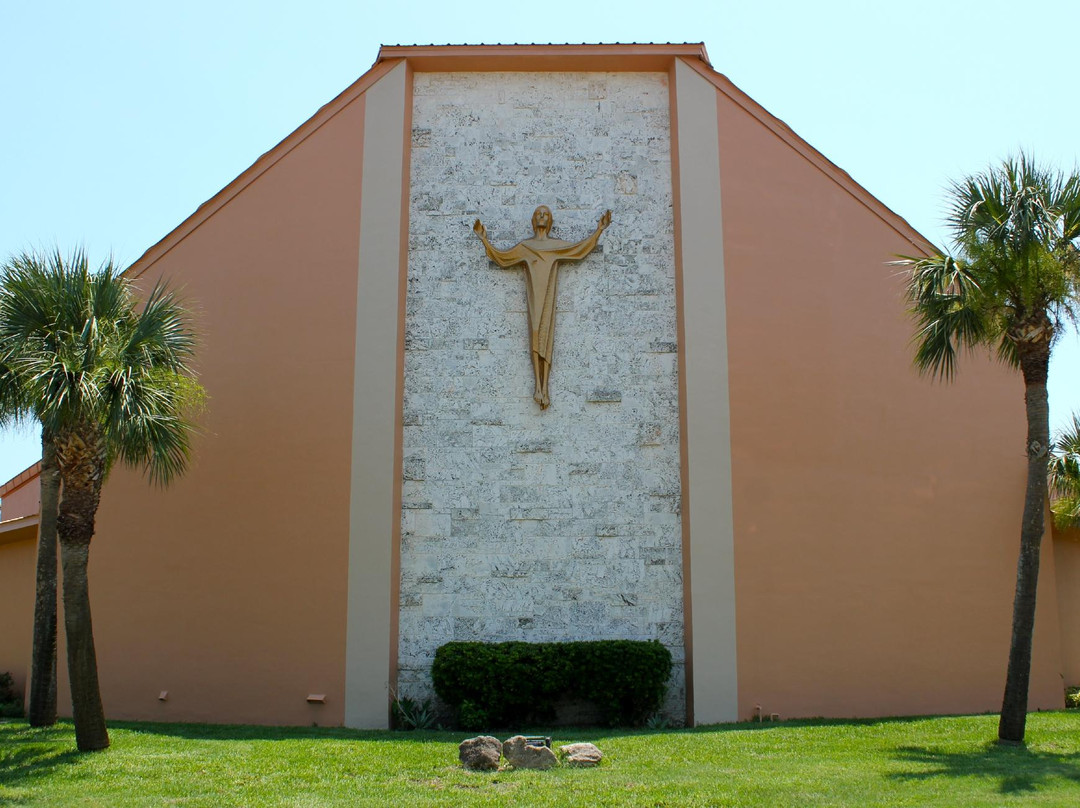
point(117, 119)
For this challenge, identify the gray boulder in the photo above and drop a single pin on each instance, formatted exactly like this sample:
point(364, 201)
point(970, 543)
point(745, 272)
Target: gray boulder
point(581, 754)
point(522, 756)
point(480, 754)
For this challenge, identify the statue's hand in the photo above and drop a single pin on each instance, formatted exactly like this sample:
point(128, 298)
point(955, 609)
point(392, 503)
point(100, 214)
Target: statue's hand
point(479, 229)
point(605, 220)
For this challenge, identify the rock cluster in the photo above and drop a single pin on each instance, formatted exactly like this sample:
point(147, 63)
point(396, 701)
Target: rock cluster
point(522, 756)
point(480, 754)
point(581, 754)
point(483, 753)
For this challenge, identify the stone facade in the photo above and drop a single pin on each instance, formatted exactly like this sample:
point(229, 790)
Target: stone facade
point(517, 523)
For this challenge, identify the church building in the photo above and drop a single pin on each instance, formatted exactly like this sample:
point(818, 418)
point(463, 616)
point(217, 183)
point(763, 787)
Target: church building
point(558, 342)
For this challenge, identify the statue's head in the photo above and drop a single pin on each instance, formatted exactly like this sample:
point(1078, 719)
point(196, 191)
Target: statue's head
point(541, 219)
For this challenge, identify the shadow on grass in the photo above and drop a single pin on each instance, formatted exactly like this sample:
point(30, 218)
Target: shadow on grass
point(1016, 769)
point(250, 732)
point(254, 732)
point(25, 761)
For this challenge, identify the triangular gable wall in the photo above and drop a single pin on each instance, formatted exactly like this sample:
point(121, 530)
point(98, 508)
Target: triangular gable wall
point(239, 568)
point(874, 521)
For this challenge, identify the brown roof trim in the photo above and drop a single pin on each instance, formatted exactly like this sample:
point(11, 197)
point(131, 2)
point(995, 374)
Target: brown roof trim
point(20, 479)
point(253, 172)
point(18, 522)
point(898, 223)
point(427, 58)
point(644, 57)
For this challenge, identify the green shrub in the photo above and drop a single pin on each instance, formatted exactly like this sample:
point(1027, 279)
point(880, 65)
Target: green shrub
point(7, 688)
point(10, 702)
point(472, 717)
point(11, 709)
point(1072, 698)
point(512, 683)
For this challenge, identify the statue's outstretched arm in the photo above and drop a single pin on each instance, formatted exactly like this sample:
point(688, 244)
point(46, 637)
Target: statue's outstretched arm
point(576, 252)
point(505, 259)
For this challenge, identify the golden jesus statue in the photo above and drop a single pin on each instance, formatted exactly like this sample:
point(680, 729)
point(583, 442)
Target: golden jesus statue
point(541, 256)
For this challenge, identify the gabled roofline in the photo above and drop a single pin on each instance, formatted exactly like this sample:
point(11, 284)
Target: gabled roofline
point(612, 57)
point(615, 57)
point(827, 167)
point(207, 209)
point(426, 58)
point(20, 479)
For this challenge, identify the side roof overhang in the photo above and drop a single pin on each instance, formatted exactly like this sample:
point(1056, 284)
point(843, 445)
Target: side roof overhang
point(21, 528)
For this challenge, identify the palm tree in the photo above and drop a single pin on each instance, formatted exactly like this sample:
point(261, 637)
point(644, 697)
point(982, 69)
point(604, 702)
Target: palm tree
point(1065, 476)
point(108, 382)
point(1011, 286)
point(41, 710)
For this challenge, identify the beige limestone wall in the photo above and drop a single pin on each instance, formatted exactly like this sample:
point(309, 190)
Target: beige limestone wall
point(517, 523)
point(707, 445)
point(376, 455)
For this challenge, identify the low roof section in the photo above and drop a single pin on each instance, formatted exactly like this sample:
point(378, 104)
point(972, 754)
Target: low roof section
point(19, 520)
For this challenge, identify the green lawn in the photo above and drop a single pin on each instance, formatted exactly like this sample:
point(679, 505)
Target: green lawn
point(921, 761)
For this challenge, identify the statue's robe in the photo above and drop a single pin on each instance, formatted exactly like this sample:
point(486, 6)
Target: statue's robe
point(541, 258)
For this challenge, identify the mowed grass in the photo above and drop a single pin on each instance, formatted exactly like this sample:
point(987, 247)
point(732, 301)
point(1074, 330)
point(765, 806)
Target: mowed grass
point(920, 761)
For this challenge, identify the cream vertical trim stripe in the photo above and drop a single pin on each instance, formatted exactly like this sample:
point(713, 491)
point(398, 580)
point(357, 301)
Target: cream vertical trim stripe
point(708, 411)
point(372, 514)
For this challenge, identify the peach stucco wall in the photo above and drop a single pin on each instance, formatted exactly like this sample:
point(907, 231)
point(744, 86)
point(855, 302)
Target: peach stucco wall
point(16, 608)
point(876, 521)
point(22, 501)
point(228, 589)
point(1067, 566)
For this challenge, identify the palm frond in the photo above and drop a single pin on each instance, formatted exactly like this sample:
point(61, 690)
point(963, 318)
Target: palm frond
point(13, 405)
point(1064, 476)
point(944, 296)
point(1016, 234)
point(82, 353)
point(162, 334)
point(1069, 207)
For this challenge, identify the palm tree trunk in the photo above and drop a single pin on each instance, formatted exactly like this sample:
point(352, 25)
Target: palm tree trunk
point(82, 466)
point(1034, 361)
point(41, 711)
point(86, 708)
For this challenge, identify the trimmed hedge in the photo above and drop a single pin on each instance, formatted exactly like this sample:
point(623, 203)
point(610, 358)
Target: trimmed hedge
point(10, 701)
point(513, 683)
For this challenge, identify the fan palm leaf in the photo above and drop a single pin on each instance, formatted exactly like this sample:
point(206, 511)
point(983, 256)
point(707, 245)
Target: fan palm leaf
point(1064, 473)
